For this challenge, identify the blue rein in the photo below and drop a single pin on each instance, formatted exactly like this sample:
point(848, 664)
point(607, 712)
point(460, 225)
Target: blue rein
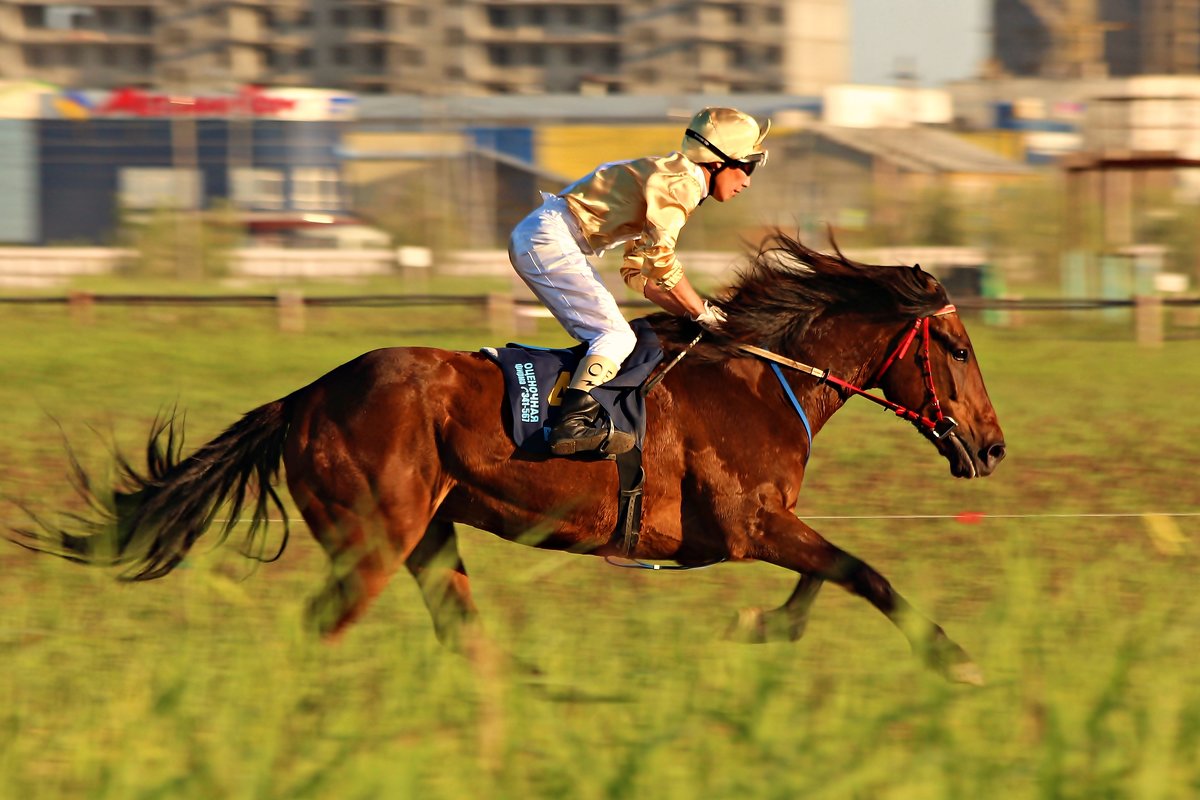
point(796, 405)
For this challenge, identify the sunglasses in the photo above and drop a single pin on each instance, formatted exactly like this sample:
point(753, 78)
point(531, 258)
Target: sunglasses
point(747, 166)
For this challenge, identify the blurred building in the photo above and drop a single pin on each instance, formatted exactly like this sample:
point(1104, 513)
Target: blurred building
point(73, 163)
point(1096, 38)
point(455, 47)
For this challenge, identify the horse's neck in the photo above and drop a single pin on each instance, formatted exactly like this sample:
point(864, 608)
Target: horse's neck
point(850, 350)
point(852, 353)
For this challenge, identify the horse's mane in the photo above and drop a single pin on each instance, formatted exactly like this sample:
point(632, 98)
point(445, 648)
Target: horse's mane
point(786, 286)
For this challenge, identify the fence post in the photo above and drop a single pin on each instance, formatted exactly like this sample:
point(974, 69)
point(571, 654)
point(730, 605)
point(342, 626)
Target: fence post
point(1148, 320)
point(290, 306)
point(81, 305)
point(1015, 316)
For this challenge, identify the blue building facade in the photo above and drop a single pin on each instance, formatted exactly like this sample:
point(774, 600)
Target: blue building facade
point(90, 157)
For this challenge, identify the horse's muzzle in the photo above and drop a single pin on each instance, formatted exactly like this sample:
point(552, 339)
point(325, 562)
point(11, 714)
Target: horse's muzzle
point(989, 456)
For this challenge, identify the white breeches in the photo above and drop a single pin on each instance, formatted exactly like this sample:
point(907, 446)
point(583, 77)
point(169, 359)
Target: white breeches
point(550, 254)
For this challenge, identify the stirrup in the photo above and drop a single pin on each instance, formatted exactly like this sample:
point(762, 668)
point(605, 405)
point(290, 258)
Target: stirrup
point(617, 442)
point(589, 442)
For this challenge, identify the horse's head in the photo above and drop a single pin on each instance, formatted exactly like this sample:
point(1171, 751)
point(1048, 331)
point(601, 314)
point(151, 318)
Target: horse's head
point(886, 327)
point(931, 369)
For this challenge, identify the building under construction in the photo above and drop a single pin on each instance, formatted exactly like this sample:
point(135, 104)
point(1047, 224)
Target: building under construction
point(1096, 38)
point(432, 47)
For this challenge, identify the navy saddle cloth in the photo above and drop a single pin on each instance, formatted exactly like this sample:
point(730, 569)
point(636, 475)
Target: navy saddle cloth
point(532, 374)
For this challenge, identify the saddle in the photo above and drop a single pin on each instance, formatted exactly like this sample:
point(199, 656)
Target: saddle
point(534, 379)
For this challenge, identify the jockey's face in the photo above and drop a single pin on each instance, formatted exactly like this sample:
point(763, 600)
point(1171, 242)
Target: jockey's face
point(730, 181)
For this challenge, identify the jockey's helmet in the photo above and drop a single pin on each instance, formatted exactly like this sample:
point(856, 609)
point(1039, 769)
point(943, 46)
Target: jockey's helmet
point(725, 135)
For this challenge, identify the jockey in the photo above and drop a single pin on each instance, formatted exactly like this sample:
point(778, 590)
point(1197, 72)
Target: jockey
point(642, 204)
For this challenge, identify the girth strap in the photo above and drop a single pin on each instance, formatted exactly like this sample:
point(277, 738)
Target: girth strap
point(631, 479)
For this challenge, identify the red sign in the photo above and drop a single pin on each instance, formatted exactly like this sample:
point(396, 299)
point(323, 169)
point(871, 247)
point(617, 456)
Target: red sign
point(249, 101)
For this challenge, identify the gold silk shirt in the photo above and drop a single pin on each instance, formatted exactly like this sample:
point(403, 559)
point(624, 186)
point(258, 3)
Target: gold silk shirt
point(643, 204)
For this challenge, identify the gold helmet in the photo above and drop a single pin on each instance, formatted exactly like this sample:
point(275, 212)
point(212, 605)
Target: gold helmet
point(725, 135)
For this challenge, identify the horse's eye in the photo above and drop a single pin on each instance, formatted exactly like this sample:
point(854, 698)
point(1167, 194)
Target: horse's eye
point(960, 354)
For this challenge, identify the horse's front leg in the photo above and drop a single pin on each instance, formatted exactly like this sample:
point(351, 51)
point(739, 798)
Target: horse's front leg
point(783, 624)
point(784, 540)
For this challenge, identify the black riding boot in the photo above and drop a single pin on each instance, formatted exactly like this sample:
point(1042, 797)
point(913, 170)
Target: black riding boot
point(576, 430)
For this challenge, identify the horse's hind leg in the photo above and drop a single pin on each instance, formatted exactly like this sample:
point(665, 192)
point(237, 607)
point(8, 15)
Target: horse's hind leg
point(362, 561)
point(367, 536)
point(442, 578)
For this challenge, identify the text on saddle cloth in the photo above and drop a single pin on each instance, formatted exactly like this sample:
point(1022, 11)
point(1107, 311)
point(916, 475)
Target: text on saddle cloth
point(535, 378)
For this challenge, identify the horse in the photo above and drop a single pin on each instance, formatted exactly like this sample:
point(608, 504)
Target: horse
point(386, 453)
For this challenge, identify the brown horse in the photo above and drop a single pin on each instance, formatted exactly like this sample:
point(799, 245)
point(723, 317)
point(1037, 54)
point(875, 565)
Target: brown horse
point(387, 452)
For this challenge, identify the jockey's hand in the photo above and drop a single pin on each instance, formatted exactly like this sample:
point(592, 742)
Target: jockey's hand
point(711, 318)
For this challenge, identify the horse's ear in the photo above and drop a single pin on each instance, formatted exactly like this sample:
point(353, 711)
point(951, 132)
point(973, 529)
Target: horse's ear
point(916, 269)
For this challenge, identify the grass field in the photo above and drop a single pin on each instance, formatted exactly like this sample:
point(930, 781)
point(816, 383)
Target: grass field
point(206, 684)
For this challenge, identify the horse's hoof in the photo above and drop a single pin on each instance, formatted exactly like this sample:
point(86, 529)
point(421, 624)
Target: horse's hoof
point(950, 661)
point(748, 627)
point(967, 672)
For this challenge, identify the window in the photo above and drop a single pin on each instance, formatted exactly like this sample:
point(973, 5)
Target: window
point(418, 17)
point(316, 189)
point(160, 187)
point(304, 58)
point(341, 56)
point(498, 55)
point(256, 188)
point(498, 17)
point(341, 17)
point(109, 56)
point(574, 15)
point(65, 18)
point(33, 16)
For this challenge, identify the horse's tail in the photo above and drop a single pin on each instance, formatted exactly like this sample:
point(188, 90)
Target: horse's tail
point(150, 521)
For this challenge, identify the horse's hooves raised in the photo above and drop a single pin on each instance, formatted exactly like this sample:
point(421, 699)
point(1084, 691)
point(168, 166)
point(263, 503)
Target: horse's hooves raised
point(966, 672)
point(758, 625)
point(748, 627)
point(945, 657)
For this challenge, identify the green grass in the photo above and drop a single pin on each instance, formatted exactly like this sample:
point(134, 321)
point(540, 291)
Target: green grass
point(206, 684)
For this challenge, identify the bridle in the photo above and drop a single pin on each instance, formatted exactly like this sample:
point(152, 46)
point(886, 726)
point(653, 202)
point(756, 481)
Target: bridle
point(938, 427)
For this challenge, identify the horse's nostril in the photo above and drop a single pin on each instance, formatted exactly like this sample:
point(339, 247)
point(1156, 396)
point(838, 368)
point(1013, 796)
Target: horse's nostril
point(995, 452)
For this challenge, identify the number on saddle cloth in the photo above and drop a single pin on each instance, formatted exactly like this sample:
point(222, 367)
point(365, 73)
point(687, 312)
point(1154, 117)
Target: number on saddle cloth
point(534, 378)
